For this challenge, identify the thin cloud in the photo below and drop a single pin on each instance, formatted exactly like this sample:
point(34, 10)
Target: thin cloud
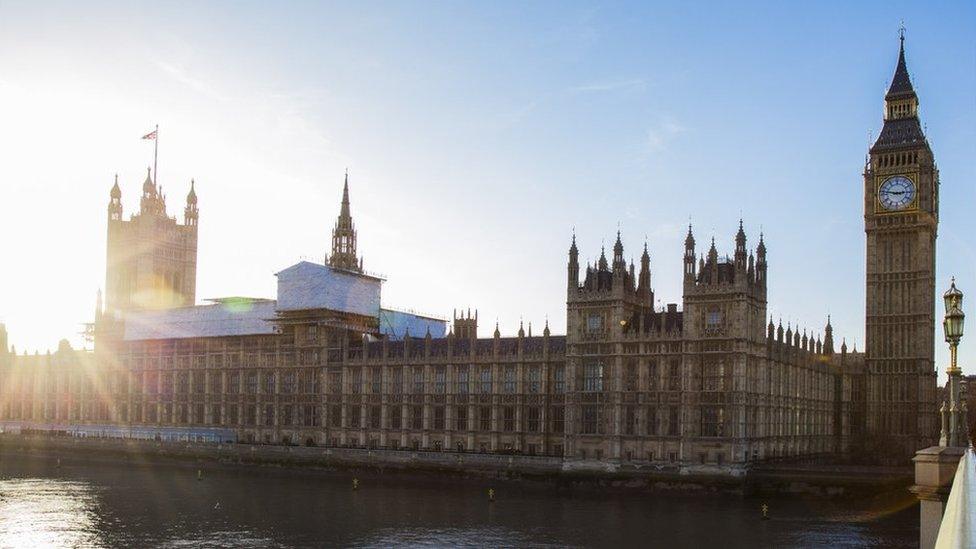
point(611, 86)
point(660, 135)
point(180, 74)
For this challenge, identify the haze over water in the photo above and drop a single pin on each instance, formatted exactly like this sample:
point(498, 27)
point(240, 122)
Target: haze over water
point(116, 505)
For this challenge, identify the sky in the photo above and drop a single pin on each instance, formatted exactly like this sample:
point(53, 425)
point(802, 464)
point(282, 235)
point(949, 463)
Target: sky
point(477, 137)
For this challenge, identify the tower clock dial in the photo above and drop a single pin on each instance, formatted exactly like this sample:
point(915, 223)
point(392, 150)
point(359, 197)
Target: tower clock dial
point(896, 193)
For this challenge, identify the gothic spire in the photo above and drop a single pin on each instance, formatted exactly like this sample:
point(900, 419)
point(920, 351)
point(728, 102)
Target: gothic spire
point(901, 82)
point(344, 236)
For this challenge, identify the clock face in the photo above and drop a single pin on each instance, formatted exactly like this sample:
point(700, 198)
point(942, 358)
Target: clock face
point(896, 193)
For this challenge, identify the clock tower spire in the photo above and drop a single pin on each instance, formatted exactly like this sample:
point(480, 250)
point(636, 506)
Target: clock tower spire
point(901, 186)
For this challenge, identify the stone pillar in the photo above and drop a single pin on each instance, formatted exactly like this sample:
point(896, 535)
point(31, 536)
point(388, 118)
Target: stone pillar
point(935, 468)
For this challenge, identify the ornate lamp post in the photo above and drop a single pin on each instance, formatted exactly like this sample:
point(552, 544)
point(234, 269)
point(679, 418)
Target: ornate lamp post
point(954, 428)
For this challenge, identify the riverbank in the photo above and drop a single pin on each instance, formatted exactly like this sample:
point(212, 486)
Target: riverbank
point(815, 480)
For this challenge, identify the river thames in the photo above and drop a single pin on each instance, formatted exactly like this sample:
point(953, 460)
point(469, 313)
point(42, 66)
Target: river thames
point(114, 505)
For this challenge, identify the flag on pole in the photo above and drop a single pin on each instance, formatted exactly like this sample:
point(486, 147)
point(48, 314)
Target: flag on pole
point(150, 135)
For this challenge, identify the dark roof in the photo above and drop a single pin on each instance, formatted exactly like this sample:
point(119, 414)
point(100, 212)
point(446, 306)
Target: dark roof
point(900, 132)
point(901, 83)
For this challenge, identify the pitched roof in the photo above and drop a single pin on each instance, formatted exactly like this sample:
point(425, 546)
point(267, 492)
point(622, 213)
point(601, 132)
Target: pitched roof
point(901, 82)
point(242, 317)
point(899, 132)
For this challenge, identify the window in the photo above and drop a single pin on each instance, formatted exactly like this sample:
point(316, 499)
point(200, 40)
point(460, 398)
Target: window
point(590, 418)
point(440, 381)
point(251, 382)
point(674, 374)
point(357, 381)
point(713, 319)
point(288, 383)
point(486, 380)
point(439, 418)
point(509, 386)
point(594, 323)
point(335, 416)
point(462, 380)
point(509, 418)
point(484, 418)
point(418, 380)
point(355, 413)
point(630, 421)
point(269, 383)
point(652, 375)
point(713, 376)
point(397, 383)
point(232, 415)
point(417, 417)
point(535, 379)
point(712, 421)
point(650, 421)
point(215, 383)
point(674, 421)
point(558, 419)
point(288, 415)
point(376, 377)
point(534, 414)
point(374, 417)
point(250, 415)
point(311, 418)
point(396, 415)
point(335, 381)
point(593, 377)
point(630, 376)
point(461, 418)
point(559, 380)
point(214, 412)
point(269, 415)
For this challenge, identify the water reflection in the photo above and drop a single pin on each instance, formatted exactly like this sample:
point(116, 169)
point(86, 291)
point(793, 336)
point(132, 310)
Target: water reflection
point(37, 512)
point(130, 505)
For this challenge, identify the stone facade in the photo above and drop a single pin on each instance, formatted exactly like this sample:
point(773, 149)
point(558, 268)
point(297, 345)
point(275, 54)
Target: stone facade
point(901, 216)
point(151, 260)
point(712, 384)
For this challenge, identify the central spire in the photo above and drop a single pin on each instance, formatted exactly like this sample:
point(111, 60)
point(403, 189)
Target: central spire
point(344, 237)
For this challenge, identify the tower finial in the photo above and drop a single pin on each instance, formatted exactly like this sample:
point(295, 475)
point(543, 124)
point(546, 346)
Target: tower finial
point(901, 33)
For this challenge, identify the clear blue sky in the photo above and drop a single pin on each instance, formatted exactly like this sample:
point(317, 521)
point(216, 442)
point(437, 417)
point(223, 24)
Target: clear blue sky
point(477, 135)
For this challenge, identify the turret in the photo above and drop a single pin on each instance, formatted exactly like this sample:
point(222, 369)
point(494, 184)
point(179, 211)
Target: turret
point(828, 346)
point(689, 256)
point(466, 326)
point(711, 263)
point(115, 202)
point(573, 265)
point(644, 280)
point(190, 214)
point(761, 262)
point(740, 249)
point(619, 265)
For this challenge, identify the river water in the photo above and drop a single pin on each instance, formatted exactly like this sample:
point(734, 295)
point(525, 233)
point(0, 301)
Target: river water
point(114, 505)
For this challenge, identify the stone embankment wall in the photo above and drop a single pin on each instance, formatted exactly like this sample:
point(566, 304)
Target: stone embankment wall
point(827, 481)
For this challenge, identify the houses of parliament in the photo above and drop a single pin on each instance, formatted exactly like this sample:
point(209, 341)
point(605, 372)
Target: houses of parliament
point(707, 384)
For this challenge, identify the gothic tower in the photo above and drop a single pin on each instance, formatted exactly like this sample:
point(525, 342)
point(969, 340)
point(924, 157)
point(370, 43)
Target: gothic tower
point(901, 216)
point(151, 260)
point(344, 237)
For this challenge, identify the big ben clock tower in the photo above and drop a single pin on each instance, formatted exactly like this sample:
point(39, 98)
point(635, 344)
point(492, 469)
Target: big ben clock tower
point(901, 216)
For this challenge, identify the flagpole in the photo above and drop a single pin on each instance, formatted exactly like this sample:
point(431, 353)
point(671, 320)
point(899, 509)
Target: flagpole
point(156, 156)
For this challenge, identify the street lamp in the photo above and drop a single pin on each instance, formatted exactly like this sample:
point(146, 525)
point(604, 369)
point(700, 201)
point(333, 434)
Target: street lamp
point(954, 428)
